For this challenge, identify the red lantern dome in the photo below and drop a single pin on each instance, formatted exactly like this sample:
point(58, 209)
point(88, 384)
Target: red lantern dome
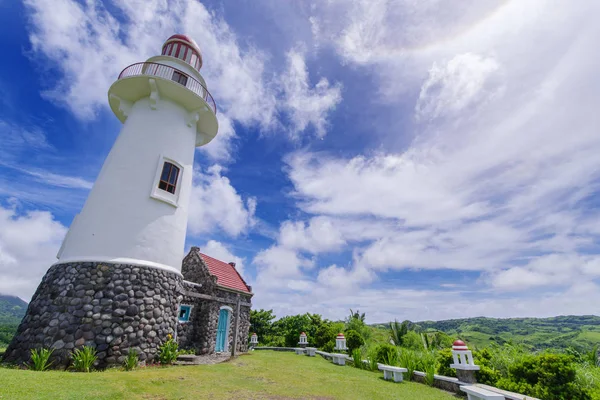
point(185, 48)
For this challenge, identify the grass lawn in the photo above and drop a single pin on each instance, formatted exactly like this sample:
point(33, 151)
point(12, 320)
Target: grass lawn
point(260, 375)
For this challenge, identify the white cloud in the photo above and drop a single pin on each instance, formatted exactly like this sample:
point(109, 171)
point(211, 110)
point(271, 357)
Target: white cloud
point(457, 85)
point(215, 204)
point(28, 247)
point(316, 236)
point(306, 105)
point(220, 251)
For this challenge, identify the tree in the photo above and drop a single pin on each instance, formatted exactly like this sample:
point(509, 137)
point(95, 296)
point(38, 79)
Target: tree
point(397, 332)
point(357, 315)
point(356, 322)
point(261, 323)
point(326, 332)
point(353, 340)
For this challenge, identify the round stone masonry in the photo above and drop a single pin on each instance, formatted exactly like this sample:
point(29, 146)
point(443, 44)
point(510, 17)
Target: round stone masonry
point(112, 307)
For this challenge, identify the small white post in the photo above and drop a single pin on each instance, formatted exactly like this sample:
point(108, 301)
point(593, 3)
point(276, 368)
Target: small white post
point(340, 342)
point(303, 340)
point(253, 340)
point(463, 362)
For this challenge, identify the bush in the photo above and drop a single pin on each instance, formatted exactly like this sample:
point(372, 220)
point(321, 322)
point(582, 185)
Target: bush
point(444, 359)
point(487, 375)
point(546, 376)
point(353, 340)
point(329, 346)
point(386, 354)
point(412, 340)
point(167, 352)
point(84, 359)
point(40, 359)
point(131, 362)
point(429, 373)
point(325, 333)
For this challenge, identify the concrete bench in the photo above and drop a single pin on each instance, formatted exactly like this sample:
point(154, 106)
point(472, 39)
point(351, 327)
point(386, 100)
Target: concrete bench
point(299, 351)
point(339, 359)
point(311, 351)
point(390, 372)
point(477, 393)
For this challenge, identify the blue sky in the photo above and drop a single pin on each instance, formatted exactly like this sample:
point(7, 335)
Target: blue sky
point(415, 160)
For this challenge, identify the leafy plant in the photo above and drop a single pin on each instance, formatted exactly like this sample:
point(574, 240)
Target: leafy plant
point(408, 359)
point(132, 360)
point(429, 373)
point(591, 357)
point(372, 358)
point(357, 359)
point(40, 359)
point(84, 359)
point(386, 354)
point(168, 351)
point(353, 340)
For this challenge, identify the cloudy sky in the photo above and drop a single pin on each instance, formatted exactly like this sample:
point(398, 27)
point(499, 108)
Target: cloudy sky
point(413, 159)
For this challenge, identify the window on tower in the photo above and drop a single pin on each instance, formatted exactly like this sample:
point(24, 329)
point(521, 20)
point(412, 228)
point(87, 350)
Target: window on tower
point(168, 177)
point(180, 77)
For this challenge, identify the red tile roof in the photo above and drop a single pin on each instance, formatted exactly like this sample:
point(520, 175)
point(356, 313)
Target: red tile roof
point(226, 274)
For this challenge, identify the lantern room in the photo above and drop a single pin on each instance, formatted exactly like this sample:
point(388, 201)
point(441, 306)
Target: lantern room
point(184, 48)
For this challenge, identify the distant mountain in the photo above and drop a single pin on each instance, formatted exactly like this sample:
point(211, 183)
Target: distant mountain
point(12, 309)
point(579, 331)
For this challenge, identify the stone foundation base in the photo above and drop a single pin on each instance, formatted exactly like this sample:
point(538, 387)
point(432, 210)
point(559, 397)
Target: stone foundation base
point(114, 308)
point(466, 375)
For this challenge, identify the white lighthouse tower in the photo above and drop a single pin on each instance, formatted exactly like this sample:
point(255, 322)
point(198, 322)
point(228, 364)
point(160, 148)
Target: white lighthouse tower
point(137, 210)
point(117, 283)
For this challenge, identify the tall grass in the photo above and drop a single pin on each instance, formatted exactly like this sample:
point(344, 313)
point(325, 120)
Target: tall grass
point(372, 358)
point(409, 360)
point(40, 359)
point(357, 359)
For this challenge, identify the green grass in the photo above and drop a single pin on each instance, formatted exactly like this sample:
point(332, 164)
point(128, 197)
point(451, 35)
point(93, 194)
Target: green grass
point(260, 375)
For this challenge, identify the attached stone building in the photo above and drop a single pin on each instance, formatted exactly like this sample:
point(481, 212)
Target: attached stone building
point(216, 298)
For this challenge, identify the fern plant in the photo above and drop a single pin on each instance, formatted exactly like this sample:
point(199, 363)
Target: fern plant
point(84, 359)
point(40, 359)
point(429, 367)
point(132, 360)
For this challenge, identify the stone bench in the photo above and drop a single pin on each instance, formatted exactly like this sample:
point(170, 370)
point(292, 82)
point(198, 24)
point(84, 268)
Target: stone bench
point(299, 351)
point(339, 359)
point(390, 372)
point(477, 393)
point(311, 351)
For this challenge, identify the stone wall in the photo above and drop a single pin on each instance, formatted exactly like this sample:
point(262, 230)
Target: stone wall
point(112, 307)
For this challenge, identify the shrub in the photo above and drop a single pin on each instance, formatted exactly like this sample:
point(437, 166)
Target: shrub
point(84, 359)
point(353, 340)
point(546, 376)
point(167, 352)
point(412, 340)
point(444, 359)
point(387, 354)
point(487, 375)
point(40, 359)
point(131, 362)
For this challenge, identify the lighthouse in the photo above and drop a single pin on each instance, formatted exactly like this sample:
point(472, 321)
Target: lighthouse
point(117, 282)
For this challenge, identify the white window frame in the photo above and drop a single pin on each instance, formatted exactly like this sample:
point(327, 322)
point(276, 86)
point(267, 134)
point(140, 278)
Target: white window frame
point(163, 195)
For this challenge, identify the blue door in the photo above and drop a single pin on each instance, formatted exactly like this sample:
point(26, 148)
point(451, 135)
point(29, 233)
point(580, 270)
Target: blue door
point(222, 330)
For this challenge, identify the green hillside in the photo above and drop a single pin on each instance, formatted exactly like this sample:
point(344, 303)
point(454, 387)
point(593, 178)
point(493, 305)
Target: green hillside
point(12, 310)
point(581, 332)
